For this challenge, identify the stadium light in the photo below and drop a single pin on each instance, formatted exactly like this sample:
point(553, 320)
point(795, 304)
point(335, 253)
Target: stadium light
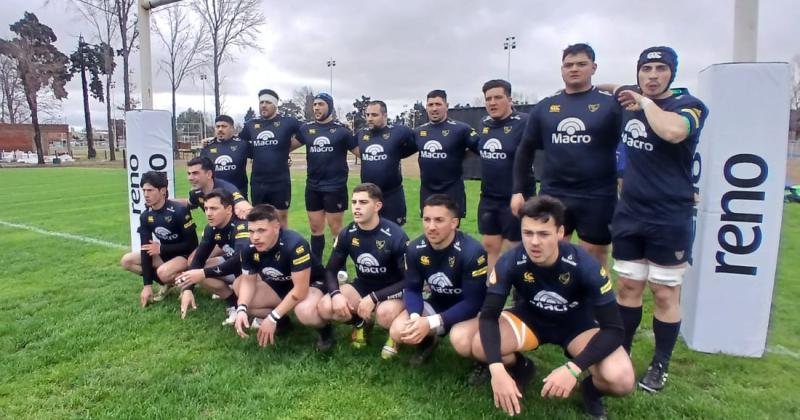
point(203, 78)
point(510, 44)
point(331, 65)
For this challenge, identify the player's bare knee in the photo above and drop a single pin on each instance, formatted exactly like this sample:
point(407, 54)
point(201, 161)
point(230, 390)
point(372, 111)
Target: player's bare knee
point(665, 297)
point(461, 340)
point(384, 315)
point(164, 273)
point(619, 381)
point(477, 348)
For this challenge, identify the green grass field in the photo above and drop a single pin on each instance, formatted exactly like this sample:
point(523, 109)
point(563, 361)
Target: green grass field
point(74, 342)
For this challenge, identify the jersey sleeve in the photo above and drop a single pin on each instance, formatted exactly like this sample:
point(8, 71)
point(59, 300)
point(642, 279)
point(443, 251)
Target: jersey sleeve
point(250, 261)
point(337, 260)
point(145, 236)
point(473, 286)
point(244, 133)
point(409, 145)
point(301, 257)
point(194, 201)
point(203, 249)
point(472, 138)
point(412, 293)
point(523, 159)
point(500, 280)
point(350, 140)
point(695, 113)
point(596, 283)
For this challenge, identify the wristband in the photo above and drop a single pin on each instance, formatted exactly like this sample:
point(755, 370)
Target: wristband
point(572, 371)
point(645, 102)
point(241, 308)
point(274, 315)
point(413, 316)
point(272, 319)
point(335, 292)
point(374, 298)
point(435, 321)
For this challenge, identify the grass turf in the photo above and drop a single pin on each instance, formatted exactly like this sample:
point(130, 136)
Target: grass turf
point(74, 342)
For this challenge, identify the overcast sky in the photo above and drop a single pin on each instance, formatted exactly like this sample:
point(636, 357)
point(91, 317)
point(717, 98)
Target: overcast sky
point(398, 51)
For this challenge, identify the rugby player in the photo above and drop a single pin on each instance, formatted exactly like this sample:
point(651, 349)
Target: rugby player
point(200, 171)
point(499, 139)
point(229, 154)
point(652, 226)
point(578, 130)
point(377, 247)
point(167, 234)
point(327, 141)
point(442, 143)
point(382, 148)
point(226, 233)
point(453, 265)
point(279, 274)
point(272, 136)
point(567, 299)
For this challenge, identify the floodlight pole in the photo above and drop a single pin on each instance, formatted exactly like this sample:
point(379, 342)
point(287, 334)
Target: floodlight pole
point(145, 60)
point(508, 45)
point(745, 30)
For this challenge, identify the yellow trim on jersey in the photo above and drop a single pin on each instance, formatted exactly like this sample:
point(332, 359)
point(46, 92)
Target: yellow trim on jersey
point(606, 287)
point(480, 272)
point(304, 258)
point(188, 225)
point(694, 113)
point(242, 235)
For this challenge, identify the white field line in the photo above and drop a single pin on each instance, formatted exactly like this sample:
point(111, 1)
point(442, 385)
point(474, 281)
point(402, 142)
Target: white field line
point(64, 235)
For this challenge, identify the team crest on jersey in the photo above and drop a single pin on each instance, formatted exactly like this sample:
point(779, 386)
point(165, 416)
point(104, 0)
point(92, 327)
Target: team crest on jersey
point(276, 124)
point(256, 257)
point(365, 137)
point(564, 278)
point(240, 227)
point(256, 125)
point(201, 200)
point(445, 132)
point(277, 256)
point(555, 108)
point(355, 242)
point(485, 130)
point(380, 244)
point(507, 129)
point(169, 219)
point(386, 136)
point(214, 150)
point(332, 130)
point(603, 272)
point(679, 254)
point(299, 250)
point(423, 133)
point(217, 237)
point(451, 261)
point(233, 148)
point(528, 277)
point(312, 131)
point(594, 107)
point(424, 260)
point(150, 219)
point(481, 260)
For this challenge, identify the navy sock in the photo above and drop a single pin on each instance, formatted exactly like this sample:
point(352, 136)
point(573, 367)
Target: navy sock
point(318, 246)
point(631, 318)
point(230, 301)
point(666, 334)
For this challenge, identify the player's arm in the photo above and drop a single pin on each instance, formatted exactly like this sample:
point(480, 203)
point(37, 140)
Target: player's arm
point(606, 311)
point(473, 138)
point(301, 278)
point(473, 285)
point(186, 202)
point(409, 146)
point(247, 289)
point(394, 290)
point(204, 249)
point(412, 292)
point(148, 272)
point(335, 263)
point(523, 159)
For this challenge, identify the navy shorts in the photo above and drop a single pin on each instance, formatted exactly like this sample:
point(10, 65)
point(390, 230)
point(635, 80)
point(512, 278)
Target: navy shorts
point(278, 195)
point(590, 218)
point(495, 218)
point(394, 206)
point(455, 191)
point(662, 244)
point(364, 287)
point(560, 332)
point(282, 288)
point(330, 201)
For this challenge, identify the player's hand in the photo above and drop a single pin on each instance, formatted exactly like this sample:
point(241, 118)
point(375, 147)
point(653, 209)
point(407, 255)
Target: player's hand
point(242, 322)
point(630, 100)
point(152, 248)
point(517, 200)
point(340, 306)
point(266, 332)
point(189, 278)
point(242, 209)
point(416, 330)
point(146, 296)
point(559, 383)
point(506, 393)
point(187, 300)
point(365, 308)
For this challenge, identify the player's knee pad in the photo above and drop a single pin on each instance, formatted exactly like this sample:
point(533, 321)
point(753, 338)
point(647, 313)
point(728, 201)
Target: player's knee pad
point(526, 339)
point(666, 276)
point(631, 270)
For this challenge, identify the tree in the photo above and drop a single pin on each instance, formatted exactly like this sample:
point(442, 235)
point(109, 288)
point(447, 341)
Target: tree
point(184, 43)
point(305, 97)
point(358, 115)
point(39, 63)
point(13, 106)
point(188, 119)
point(291, 109)
point(418, 115)
point(89, 58)
point(249, 115)
point(128, 33)
point(100, 14)
point(230, 24)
